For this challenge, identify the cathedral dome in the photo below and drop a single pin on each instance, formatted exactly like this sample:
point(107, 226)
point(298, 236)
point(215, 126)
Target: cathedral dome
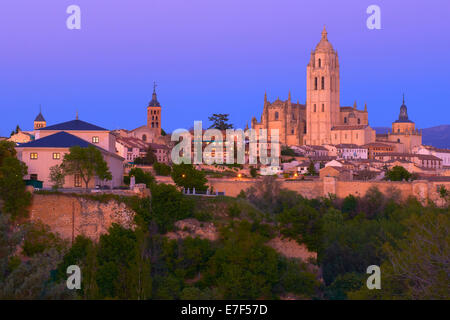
point(154, 102)
point(324, 45)
point(403, 116)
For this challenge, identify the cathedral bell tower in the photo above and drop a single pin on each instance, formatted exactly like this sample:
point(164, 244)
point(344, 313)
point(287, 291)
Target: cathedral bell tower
point(154, 114)
point(322, 93)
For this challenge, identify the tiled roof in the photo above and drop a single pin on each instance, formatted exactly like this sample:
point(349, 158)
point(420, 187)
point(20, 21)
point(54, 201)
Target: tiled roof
point(378, 144)
point(58, 140)
point(75, 125)
point(62, 139)
point(348, 127)
point(39, 117)
point(349, 146)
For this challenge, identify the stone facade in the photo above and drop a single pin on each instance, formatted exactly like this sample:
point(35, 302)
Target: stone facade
point(321, 120)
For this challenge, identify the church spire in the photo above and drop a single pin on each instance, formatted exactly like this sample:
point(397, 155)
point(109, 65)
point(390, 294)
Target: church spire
point(154, 102)
point(289, 96)
point(324, 33)
point(265, 96)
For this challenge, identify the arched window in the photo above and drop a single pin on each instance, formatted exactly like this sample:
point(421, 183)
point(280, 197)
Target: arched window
point(359, 121)
point(323, 108)
point(276, 115)
point(345, 119)
point(323, 83)
point(144, 137)
point(315, 83)
point(315, 108)
point(320, 63)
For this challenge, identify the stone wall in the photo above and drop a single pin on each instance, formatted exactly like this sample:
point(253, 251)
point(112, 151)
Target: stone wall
point(421, 189)
point(71, 215)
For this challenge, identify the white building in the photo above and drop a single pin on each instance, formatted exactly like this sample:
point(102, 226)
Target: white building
point(351, 151)
point(53, 142)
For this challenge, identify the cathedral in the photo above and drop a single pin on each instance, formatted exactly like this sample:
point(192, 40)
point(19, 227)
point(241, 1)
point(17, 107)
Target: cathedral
point(322, 120)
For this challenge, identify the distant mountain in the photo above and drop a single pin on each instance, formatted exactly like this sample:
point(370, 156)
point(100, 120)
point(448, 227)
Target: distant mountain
point(438, 137)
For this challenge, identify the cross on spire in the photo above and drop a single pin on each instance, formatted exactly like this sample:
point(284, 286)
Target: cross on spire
point(154, 86)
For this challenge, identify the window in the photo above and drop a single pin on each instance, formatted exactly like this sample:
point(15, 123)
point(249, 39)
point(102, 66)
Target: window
point(323, 83)
point(56, 156)
point(323, 108)
point(144, 137)
point(314, 108)
point(95, 139)
point(33, 176)
point(292, 131)
point(33, 155)
point(315, 83)
point(320, 63)
point(345, 119)
point(359, 121)
point(77, 180)
point(276, 115)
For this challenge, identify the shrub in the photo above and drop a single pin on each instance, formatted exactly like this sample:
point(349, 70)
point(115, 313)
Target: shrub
point(162, 169)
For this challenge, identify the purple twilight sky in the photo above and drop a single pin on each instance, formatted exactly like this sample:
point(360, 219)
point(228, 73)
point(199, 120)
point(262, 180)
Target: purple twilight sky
point(216, 56)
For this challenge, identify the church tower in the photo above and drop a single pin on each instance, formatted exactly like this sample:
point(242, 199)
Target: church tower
point(322, 93)
point(39, 122)
point(154, 114)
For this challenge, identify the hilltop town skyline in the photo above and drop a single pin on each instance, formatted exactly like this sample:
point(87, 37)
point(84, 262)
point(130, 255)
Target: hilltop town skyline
point(226, 69)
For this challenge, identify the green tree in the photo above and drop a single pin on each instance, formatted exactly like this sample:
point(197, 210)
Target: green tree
point(38, 238)
point(398, 173)
point(162, 169)
point(286, 151)
point(185, 175)
point(167, 206)
point(220, 121)
point(57, 177)
point(244, 268)
point(87, 163)
point(312, 169)
point(12, 188)
point(253, 172)
point(140, 176)
point(7, 150)
point(416, 266)
point(116, 252)
point(148, 159)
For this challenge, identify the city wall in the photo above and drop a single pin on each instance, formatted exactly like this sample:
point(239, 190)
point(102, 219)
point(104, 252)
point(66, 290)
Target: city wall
point(71, 215)
point(420, 189)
